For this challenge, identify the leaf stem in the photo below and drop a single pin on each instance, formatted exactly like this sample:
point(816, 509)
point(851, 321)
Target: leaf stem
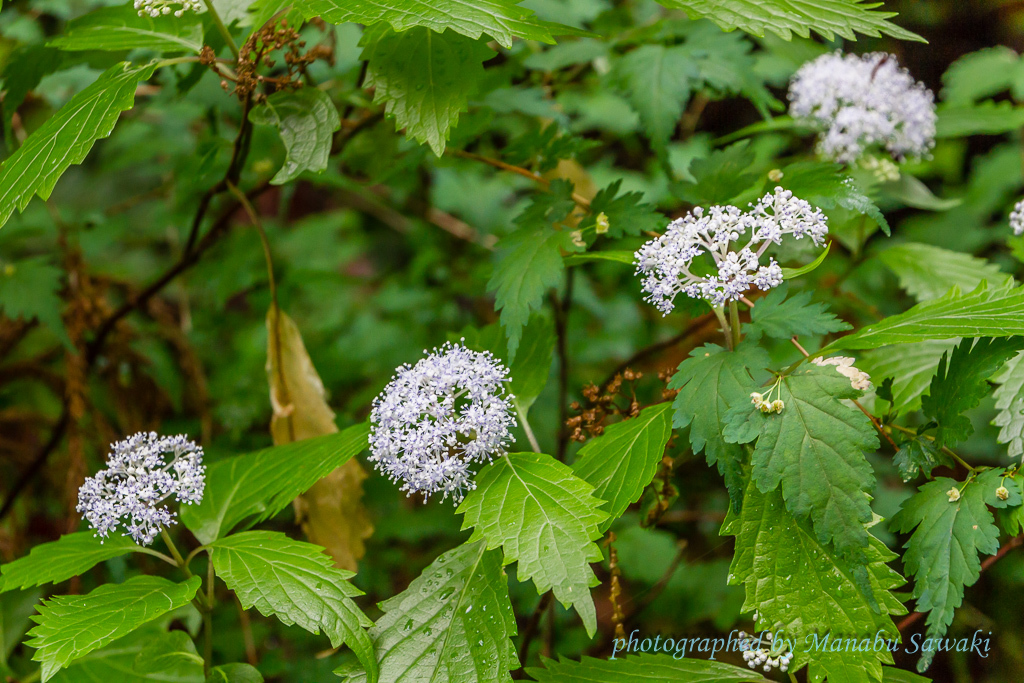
point(208, 620)
point(526, 428)
point(254, 217)
point(720, 314)
point(178, 559)
point(734, 322)
point(221, 28)
point(158, 554)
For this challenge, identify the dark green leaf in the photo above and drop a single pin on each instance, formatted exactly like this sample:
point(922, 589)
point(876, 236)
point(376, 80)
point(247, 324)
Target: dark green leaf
point(910, 366)
point(781, 318)
point(657, 82)
point(918, 456)
point(927, 272)
point(30, 288)
point(68, 556)
point(121, 28)
point(625, 214)
point(720, 177)
point(235, 673)
point(824, 184)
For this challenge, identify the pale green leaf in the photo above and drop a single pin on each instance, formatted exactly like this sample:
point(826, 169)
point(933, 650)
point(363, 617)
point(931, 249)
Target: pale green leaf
point(503, 20)
point(255, 487)
point(72, 626)
point(453, 623)
point(910, 365)
point(169, 652)
point(984, 118)
point(305, 119)
point(910, 191)
point(297, 583)
point(927, 272)
point(623, 460)
point(644, 668)
point(545, 518)
point(66, 138)
point(979, 74)
point(798, 586)
point(942, 553)
point(829, 18)
point(68, 556)
point(121, 28)
point(816, 449)
point(985, 312)
point(1010, 404)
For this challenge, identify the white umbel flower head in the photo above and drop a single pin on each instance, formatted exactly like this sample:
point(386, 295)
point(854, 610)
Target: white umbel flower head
point(1017, 218)
point(665, 262)
point(864, 102)
point(156, 8)
point(139, 477)
point(844, 366)
point(434, 419)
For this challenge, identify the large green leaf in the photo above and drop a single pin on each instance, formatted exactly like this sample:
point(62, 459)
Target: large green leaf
point(824, 184)
point(545, 518)
point(72, 626)
point(67, 137)
point(305, 119)
point(983, 73)
point(68, 556)
point(297, 583)
point(829, 18)
point(710, 383)
point(645, 668)
point(30, 288)
point(623, 460)
point(453, 623)
point(984, 118)
point(985, 312)
point(949, 534)
point(798, 586)
point(125, 659)
point(167, 653)
point(656, 80)
point(960, 385)
point(503, 20)
point(781, 318)
point(423, 78)
point(815, 448)
point(927, 272)
point(256, 487)
point(1010, 404)
point(911, 367)
point(121, 28)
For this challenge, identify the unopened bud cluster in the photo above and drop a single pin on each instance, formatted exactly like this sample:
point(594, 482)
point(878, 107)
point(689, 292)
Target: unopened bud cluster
point(767, 658)
point(1017, 218)
point(138, 478)
point(156, 8)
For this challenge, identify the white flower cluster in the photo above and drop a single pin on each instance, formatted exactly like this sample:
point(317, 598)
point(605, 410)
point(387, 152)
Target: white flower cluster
point(137, 480)
point(437, 417)
point(864, 102)
point(844, 366)
point(1017, 218)
point(767, 658)
point(155, 8)
point(665, 261)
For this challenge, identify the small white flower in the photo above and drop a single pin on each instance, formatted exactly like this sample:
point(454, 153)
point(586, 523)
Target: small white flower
point(665, 262)
point(954, 494)
point(1002, 493)
point(156, 8)
point(437, 417)
point(864, 102)
point(137, 480)
point(844, 366)
point(1017, 218)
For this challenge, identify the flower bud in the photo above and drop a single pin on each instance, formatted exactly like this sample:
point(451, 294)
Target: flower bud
point(954, 494)
point(1002, 493)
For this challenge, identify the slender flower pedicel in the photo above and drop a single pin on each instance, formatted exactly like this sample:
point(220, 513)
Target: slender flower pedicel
point(137, 480)
point(862, 103)
point(434, 419)
point(665, 262)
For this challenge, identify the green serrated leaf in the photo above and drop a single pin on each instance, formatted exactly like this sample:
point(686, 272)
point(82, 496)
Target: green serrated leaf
point(25, 67)
point(942, 553)
point(979, 74)
point(116, 661)
point(235, 673)
point(984, 118)
point(255, 487)
point(169, 652)
point(503, 20)
point(623, 460)
point(625, 214)
point(815, 448)
point(962, 384)
point(305, 119)
point(644, 668)
point(828, 18)
point(453, 623)
point(30, 288)
point(72, 626)
point(720, 177)
point(657, 81)
point(545, 518)
point(780, 317)
point(791, 273)
point(824, 184)
point(919, 456)
point(711, 382)
point(297, 583)
point(910, 366)
point(423, 78)
point(66, 138)
point(1009, 397)
point(68, 556)
point(985, 312)
point(121, 28)
point(800, 587)
point(927, 272)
